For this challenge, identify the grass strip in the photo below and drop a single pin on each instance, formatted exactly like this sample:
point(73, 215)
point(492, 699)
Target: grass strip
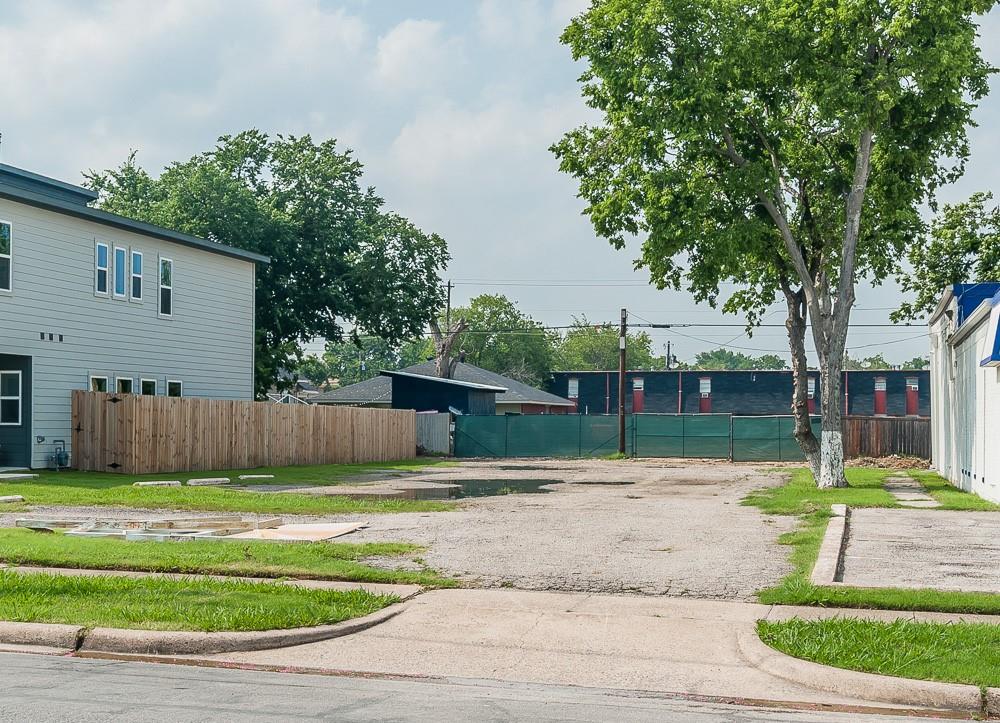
point(800, 496)
point(951, 497)
point(86, 489)
point(946, 652)
point(155, 603)
point(249, 558)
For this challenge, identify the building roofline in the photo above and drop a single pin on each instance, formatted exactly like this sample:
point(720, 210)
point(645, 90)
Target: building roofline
point(727, 371)
point(79, 210)
point(455, 382)
point(71, 188)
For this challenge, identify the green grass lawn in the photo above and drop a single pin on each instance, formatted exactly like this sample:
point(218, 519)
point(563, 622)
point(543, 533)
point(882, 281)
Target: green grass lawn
point(954, 653)
point(73, 488)
point(799, 496)
point(251, 558)
point(164, 604)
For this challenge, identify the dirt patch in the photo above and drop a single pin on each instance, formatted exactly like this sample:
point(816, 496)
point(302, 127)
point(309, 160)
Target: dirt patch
point(894, 461)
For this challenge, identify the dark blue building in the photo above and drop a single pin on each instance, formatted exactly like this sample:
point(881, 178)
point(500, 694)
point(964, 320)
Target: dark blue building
point(889, 392)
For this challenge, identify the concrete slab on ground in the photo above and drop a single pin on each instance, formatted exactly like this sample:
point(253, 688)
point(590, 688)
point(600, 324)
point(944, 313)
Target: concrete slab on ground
point(625, 642)
point(946, 550)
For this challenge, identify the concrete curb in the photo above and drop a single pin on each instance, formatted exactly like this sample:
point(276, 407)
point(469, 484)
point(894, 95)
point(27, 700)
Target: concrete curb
point(831, 552)
point(157, 642)
point(47, 635)
point(851, 683)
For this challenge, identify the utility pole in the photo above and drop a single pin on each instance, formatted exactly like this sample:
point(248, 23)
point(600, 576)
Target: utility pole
point(668, 356)
point(622, 336)
point(447, 313)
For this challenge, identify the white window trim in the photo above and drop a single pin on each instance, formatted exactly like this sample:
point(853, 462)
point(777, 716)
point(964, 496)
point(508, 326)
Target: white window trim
point(160, 287)
point(132, 276)
point(90, 381)
point(131, 381)
point(114, 273)
point(9, 289)
point(155, 389)
point(174, 381)
point(19, 398)
point(572, 393)
point(702, 386)
point(98, 268)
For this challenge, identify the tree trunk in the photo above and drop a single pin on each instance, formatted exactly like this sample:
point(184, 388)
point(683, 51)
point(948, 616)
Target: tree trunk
point(796, 326)
point(831, 473)
point(443, 343)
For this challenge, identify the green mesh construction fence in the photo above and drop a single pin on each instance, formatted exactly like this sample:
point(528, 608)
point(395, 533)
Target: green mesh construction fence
point(767, 439)
point(714, 436)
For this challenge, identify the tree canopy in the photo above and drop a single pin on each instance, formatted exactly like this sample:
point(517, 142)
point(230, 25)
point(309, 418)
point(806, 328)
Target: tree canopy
point(726, 359)
point(336, 255)
point(590, 347)
point(502, 338)
point(784, 146)
point(963, 245)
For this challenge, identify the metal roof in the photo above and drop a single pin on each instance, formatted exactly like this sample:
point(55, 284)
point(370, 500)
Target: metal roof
point(378, 390)
point(49, 194)
point(451, 382)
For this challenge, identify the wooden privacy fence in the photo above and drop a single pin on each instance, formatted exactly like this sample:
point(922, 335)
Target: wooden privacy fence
point(883, 436)
point(136, 434)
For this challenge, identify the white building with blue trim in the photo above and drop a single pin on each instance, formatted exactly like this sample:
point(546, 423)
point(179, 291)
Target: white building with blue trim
point(965, 379)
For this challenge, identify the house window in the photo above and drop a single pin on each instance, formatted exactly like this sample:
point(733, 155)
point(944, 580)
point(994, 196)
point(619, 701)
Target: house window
point(912, 384)
point(811, 384)
point(638, 384)
point(166, 288)
point(121, 272)
point(101, 261)
point(136, 276)
point(124, 385)
point(147, 387)
point(10, 398)
point(6, 253)
point(175, 388)
point(573, 391)
point(98, 384)
point(879, 384)
point(705, 386)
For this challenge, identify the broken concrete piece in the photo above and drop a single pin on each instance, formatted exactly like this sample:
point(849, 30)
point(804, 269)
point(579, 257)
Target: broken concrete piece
point(15, 477)
point(208, 481)
point(256, 476)
point(159, 483)
point(11, 498)
point(301, 532)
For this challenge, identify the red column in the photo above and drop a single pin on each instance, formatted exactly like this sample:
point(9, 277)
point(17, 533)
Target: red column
point(880, 398)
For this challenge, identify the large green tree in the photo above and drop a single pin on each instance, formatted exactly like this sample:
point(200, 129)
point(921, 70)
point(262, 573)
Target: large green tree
point(336, 254)
point(726, 359)
point(502, 338)
point(963, 245)
point(594, 347)
point(785, 146)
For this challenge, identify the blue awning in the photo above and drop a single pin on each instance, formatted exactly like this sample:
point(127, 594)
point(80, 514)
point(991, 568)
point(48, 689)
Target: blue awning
point(993, 335)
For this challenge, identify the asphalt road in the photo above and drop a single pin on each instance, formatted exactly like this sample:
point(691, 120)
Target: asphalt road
point(49, 688)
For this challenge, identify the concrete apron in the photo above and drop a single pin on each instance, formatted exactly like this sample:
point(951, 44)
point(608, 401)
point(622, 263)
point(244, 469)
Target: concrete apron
point(662, 645)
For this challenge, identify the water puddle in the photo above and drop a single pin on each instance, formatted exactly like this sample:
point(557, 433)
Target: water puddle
point(497, 487)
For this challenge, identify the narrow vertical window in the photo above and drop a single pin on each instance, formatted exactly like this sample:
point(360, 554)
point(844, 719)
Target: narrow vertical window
point(136, 276)
point(175, 388)
point(101, 265)
point(125, 385)
point(120, 272)
point(10, 398)
point(573, 388)
point(166, 288)
point(6, 255)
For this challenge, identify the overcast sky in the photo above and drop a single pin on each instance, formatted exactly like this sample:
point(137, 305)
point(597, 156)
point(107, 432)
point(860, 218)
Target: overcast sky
point(450, 104)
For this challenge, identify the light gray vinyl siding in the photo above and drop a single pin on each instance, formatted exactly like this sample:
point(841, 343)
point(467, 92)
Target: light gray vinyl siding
point(207, 343)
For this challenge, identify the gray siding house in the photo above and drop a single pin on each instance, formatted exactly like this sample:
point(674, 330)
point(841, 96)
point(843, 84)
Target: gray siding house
point(92, 300)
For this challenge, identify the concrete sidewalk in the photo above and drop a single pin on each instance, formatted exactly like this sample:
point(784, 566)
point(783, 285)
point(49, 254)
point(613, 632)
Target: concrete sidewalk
point(670, 645)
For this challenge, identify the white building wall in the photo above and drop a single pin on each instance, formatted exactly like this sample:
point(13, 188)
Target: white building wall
point(966, 422)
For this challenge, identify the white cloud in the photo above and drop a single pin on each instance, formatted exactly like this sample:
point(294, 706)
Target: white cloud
point(416, 54)
point(510, 23)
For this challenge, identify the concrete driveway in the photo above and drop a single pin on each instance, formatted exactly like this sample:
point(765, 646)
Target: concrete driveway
point(652, 527)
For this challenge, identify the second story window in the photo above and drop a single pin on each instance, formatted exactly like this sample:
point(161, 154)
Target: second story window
point(136, 276)
point(121, 272)
point(166, 287)
point(6, 254)
point(101, 266)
